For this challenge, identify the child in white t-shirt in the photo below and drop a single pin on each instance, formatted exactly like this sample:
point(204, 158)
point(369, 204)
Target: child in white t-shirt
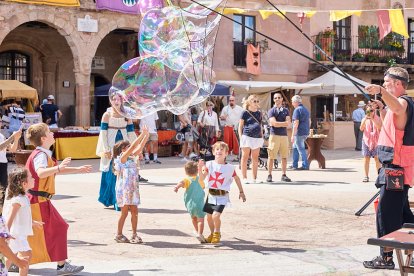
point(218, 176)
point(18, 214)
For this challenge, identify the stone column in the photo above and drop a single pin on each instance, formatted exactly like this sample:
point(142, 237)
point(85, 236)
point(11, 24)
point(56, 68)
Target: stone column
point(83, 104)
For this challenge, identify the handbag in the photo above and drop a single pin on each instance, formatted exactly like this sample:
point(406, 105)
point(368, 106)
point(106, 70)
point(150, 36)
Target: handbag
point(394, 179)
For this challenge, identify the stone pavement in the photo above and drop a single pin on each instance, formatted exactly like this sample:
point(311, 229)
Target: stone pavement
point(306, 227)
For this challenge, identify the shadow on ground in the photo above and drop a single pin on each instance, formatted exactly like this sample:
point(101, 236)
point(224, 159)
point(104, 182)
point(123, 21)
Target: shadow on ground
point(161, 211)
point(78, 243)
point(164, 232)
point(49, 271)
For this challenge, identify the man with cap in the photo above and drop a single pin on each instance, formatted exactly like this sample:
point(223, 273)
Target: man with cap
point(357, 117)
point(49, 112)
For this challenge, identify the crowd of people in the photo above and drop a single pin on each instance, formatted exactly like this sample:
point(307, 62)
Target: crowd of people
point(40, 233)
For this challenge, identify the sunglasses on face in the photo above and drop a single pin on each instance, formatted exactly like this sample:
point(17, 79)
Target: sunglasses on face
point(277, 98)
point(255, 101)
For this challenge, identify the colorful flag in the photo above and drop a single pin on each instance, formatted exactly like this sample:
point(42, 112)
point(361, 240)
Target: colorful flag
point(384, 24)
point(64, 3)
point(265, 14)
point(124, 6)
point(339, 15)
point(397, 22)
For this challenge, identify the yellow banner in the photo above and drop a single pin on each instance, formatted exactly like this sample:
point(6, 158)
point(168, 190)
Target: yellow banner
point(397, 22)
point(233, 10)
point(339, 15)
point(265, 14)
point(63, 3)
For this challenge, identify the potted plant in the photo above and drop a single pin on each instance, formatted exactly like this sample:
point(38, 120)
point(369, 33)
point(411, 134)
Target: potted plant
point(249, 41)
point(371, 57)
point(358, 57)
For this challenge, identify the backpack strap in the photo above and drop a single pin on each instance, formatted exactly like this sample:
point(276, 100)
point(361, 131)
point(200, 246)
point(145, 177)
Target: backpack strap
point(408, 138)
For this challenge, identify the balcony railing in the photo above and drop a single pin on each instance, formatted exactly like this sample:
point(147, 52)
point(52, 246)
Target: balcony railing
point(363, 49)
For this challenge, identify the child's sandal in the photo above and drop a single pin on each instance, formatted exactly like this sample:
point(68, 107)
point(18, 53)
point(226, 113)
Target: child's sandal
point(135, 239)
point(121, 239)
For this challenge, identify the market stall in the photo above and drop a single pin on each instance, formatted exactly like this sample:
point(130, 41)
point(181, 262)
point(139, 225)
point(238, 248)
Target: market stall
point(335, 122)
point(77, 144)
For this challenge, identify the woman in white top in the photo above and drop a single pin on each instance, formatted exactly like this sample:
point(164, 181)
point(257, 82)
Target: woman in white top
point(11, 143)
point(114, 128)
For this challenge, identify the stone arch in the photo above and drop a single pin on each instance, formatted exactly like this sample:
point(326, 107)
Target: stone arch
point(62, 26)
point(110, 26)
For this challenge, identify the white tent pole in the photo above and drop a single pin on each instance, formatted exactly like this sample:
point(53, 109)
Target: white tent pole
point(334, 109)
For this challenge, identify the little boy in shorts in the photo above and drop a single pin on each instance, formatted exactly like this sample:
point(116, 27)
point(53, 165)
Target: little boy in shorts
point(218, 175)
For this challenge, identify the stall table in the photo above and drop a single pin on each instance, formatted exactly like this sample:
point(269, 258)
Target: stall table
point(76, 144)
point(314, 144)
point(402, 239)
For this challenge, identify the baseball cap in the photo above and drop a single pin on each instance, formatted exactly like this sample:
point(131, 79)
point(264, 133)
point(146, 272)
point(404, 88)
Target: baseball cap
point(50, 97)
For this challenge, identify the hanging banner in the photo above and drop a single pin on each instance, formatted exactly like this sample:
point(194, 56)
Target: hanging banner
point(339, 15)
point(63, 3)
point(253, 59)
point(384, 24)
point(397, 22)
point(265, 14)
point(123, 6)
point(233, 10)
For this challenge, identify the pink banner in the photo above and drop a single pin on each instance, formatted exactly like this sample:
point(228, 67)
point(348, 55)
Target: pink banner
point(384, 24)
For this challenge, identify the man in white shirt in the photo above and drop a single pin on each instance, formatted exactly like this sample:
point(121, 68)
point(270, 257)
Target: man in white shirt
point(231, 115)
point(151, 122)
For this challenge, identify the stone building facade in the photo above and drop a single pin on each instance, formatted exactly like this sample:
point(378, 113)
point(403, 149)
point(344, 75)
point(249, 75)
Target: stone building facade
point(61, 58)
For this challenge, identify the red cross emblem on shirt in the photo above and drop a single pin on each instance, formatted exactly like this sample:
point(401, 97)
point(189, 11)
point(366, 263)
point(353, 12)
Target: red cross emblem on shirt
point(216, 180)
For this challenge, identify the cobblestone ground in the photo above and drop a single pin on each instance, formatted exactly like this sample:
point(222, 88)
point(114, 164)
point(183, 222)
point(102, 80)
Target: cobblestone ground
point(306, 227)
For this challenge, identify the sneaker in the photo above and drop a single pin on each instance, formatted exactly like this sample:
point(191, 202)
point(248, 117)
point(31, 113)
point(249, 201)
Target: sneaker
point(269, 178)
point(303, 169)
point(209, 238)
point(13, 268)
point(157, 161)
point(292, 168)
point(147, 161)
point(285, 178)
point(201, 238)
point(379, 263)
point(181, 155)
point(216, 237)
point(192, 155)
point(184, 159)
point(245, 181)
point(69, 269)
point(141, 179)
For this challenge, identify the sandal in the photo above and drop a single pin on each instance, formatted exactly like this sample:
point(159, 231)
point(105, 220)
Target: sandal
point(379, 263)
point(135, 239)
point(121, 239)
point(366, 179)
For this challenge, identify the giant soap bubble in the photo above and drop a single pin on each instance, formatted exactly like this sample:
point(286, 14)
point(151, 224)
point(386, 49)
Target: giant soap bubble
point(174, 69)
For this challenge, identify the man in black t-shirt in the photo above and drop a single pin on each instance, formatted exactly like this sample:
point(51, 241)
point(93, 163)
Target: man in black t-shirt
point(279, 120)
point(50, 112)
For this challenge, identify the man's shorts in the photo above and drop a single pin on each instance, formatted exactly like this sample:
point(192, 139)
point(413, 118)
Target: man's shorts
point(211, 208)
point(153, 137)
point(278, 144)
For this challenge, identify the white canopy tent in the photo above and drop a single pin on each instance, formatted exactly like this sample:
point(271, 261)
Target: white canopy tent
point(262, 89)
point(332, 84)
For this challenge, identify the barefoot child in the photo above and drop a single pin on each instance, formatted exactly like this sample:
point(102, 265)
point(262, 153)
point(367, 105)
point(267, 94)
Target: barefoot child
point(18, 214)
point(194, 197)
point(126, 188)
point(219, 175)
point(43, 169)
